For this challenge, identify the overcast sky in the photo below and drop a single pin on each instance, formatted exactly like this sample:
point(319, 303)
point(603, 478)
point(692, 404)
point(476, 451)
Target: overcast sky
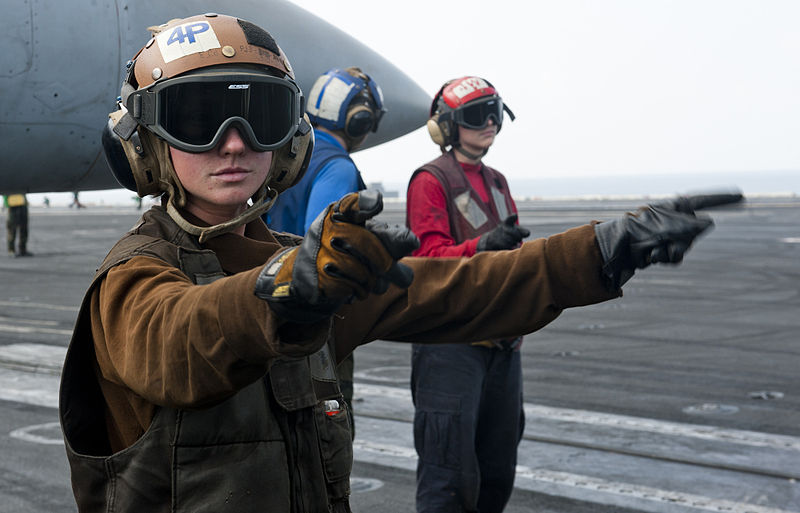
point(600, 87)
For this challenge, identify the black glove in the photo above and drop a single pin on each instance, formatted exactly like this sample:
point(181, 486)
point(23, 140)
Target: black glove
point(345, 255)
point(506, 235)
point(689, 204)
point(659, 233)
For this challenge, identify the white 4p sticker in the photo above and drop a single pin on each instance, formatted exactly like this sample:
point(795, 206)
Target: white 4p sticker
point(187, 39)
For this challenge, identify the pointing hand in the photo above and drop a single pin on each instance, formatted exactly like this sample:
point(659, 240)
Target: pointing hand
point(346, 255)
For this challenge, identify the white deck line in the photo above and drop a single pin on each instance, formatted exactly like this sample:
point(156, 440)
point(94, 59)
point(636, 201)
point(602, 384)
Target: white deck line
point(699, 431)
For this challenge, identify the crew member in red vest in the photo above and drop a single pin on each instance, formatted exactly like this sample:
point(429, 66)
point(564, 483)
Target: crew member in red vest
point(467, 394)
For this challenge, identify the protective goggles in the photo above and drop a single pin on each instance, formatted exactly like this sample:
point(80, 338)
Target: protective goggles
point(193, 112)
point(476, 114)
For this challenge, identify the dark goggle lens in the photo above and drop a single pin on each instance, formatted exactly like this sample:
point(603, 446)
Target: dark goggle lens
point(193, 112)
point(477, 115)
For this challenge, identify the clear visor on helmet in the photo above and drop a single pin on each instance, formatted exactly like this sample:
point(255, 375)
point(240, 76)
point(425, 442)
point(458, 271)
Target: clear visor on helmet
point(193, 112)
point(476, 114)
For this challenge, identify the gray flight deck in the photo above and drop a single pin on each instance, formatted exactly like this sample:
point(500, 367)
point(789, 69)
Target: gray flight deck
point(682, 396)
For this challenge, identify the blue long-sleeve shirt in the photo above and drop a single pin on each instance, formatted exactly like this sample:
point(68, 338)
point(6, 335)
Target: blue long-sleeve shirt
point(331, 174)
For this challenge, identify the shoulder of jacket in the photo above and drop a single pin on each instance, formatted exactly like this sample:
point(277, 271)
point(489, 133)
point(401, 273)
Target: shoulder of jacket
point(137, 244)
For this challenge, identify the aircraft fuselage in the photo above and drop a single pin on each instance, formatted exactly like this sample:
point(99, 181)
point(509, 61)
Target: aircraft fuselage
point(63, 64)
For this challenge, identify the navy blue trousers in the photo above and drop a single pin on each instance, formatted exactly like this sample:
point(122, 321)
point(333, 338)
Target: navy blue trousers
point(468, 423)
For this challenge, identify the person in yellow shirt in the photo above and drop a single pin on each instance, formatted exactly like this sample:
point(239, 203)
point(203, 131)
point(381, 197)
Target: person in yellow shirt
point(17, 221)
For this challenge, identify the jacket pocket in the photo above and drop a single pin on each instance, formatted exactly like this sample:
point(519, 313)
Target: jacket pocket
point(437, 428)
point(335, 443)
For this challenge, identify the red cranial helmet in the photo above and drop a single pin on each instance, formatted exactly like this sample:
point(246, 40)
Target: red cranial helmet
point(467, 101)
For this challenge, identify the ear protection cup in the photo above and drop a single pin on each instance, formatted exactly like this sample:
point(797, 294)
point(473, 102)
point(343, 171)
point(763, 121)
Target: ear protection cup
point(290, 161)
point(442, 130)
point(435, 132)
point(133, 162)
point(359, 121)
point(116, 158)
point(440, 125)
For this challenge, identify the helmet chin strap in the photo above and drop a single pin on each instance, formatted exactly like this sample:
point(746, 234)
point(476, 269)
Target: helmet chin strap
point(262, 203)
point(262, 200)
point(470, 155)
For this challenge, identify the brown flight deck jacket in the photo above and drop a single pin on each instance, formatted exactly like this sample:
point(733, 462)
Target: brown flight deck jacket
point(160, 340)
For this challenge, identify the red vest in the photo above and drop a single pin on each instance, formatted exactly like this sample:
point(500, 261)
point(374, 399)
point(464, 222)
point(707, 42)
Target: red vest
point(469, 216)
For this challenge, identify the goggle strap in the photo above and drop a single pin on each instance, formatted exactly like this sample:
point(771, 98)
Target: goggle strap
point(510, 114)
point(142, 106)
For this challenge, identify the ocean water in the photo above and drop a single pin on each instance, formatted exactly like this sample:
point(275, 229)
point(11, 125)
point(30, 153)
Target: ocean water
point(754, 183)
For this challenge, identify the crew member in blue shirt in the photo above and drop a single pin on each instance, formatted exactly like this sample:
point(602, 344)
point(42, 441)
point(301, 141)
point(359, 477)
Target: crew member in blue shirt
point(344, 106)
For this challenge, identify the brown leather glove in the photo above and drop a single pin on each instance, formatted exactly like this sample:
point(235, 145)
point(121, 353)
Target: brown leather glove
point(345, 255)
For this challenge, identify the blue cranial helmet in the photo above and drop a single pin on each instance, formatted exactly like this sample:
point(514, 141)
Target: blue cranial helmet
point(346, 100)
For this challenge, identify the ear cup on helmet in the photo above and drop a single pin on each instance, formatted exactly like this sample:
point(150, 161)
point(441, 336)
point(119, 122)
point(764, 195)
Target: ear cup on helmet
point(359, 121)
point(435, 132)
point(145, 163)
point(440, 125)
point(290, 161)
point(142, 162)
point(441, 128)
point(116, 158)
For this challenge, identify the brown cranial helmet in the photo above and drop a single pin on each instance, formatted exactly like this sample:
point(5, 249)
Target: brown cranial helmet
point(195, 78)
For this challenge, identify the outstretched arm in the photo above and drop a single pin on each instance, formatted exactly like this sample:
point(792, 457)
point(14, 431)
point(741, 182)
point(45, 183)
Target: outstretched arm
point(491, 295)
point(503, 294)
